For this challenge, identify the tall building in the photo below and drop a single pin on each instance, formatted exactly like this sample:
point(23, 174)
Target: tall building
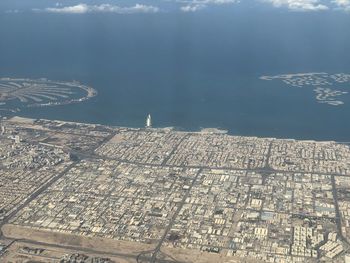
point(17, 139)
point(149, 121)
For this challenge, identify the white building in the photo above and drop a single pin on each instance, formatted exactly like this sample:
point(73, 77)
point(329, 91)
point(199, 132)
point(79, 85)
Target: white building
point(149, 121)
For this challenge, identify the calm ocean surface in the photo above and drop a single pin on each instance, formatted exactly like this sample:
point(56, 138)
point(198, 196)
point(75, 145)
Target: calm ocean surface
point(187, 70)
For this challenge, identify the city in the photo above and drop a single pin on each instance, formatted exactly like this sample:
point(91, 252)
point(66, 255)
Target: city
point(97, 193)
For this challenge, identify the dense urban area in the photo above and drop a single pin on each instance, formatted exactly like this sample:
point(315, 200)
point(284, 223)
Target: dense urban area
point(73, 192)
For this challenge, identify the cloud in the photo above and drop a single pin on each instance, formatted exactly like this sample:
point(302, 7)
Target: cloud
point(76, 9)
point(342, 3)
point(218, 2)
point(192, 8)
point(103, 8)
point(300, 5)
point(208, 2)
point(195, 5)
point(12, 11)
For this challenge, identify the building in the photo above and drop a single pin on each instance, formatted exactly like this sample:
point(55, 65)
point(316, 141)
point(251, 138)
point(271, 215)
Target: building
point(149, 121)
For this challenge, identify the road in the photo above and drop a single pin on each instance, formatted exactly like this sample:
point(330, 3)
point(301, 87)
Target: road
point(172, 220)
point(151, 256)
point(337, 213)
point(35, 194)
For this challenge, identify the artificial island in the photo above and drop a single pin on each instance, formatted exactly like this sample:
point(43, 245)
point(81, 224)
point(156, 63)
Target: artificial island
point(19, 93)
point(73, 191)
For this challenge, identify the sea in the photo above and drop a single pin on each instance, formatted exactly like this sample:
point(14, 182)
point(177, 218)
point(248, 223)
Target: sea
point(188, 70)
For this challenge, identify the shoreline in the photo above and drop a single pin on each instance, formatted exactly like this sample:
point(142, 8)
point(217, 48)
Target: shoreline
point(202, 131)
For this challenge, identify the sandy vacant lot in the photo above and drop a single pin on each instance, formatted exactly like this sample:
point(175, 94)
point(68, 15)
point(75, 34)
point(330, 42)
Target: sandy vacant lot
point(65, 239)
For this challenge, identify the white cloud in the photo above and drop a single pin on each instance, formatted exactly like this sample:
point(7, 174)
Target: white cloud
point(76, 9)
point(191, 8)
point(12, 11)
point(218, 2)
point(103, 8)
point(195, 5)
point(342, 3)
point(208, 2)
point(299, 5)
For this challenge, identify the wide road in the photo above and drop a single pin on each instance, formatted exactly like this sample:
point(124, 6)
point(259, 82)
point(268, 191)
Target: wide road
point(35, 194)
point(157, 249)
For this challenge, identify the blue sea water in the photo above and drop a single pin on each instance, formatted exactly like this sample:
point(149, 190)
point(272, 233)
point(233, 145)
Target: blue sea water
point(188, 70)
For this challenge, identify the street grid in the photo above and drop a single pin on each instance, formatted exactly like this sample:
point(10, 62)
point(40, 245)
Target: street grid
point(232, 196)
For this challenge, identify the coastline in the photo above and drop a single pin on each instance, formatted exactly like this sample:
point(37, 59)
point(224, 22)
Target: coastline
point(203, 131)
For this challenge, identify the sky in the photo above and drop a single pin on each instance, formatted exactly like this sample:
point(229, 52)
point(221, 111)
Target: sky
point(129, 7)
